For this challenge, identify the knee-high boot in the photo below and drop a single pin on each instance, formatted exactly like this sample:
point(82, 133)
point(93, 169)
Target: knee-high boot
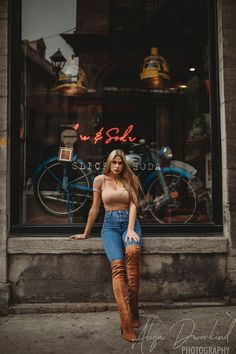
point(121, 295)
point(133, 253)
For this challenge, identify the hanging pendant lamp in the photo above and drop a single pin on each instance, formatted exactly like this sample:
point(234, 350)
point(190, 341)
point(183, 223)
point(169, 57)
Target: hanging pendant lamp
point(72, 80)
point(155, 71)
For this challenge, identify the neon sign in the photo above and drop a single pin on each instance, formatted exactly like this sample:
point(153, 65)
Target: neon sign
point(109, 135)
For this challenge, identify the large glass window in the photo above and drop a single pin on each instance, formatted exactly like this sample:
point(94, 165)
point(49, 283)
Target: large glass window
point(96, 76)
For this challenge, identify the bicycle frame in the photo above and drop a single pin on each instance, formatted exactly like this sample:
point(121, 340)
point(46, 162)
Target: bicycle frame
point(55, 158)
point(177, 170)
point(159, 173)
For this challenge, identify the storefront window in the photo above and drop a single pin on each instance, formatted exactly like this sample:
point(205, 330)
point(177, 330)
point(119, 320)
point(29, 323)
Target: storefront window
point(124, 74)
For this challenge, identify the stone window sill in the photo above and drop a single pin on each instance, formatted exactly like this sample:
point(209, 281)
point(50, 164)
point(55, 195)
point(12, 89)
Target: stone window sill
point(93, 245)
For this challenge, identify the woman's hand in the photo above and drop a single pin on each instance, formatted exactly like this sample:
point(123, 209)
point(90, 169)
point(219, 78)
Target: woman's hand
point(132, 235)
point(78, 237)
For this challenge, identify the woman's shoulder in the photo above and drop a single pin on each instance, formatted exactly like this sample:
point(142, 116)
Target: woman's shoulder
point(98, 183)
point(99, 179)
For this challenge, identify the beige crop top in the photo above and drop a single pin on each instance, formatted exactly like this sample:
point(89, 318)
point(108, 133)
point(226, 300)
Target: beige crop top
point(118, 199)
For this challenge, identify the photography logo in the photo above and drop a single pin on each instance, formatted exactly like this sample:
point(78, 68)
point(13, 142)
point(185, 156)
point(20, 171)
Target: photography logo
point(205, 350)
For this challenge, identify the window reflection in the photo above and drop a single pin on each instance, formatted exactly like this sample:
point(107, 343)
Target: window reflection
point(116, 110)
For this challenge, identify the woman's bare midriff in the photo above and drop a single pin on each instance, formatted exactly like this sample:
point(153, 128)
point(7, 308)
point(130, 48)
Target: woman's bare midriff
point(117, 208)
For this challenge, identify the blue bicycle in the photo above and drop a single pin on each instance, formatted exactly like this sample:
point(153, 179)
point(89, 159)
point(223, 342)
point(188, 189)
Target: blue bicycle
point(168, 194)
point(167, 191)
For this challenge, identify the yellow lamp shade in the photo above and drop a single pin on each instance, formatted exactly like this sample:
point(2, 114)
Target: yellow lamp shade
point(72, 80)
point(155, 70)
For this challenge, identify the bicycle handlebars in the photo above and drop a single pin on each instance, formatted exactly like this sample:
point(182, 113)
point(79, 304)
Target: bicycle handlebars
point(142, 144)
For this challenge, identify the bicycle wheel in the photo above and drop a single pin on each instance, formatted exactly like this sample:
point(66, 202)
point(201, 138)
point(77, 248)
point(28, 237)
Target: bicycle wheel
point(179, 207)
point(61, 190)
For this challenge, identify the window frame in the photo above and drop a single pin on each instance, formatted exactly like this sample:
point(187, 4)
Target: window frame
point(14, 80)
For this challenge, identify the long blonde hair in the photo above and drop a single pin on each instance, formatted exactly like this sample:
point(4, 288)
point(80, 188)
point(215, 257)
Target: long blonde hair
point(127, 177)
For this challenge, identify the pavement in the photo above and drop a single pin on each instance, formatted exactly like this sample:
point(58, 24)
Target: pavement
point(196, 330)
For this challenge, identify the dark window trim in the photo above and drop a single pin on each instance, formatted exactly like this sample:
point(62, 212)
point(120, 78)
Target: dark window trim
point(14, 75)
point(14, 80)
point(215, 116)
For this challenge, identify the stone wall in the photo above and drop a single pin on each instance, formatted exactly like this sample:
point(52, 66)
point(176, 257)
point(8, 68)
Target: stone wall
point(87, 278)
point(56, 270)
point(227, 81)
point(59, 270)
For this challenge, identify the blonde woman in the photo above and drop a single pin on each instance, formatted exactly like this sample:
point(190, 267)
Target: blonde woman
point(118, 189)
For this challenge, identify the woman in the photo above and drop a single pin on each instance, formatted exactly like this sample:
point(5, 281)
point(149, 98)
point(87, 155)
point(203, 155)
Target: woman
point(121, 235)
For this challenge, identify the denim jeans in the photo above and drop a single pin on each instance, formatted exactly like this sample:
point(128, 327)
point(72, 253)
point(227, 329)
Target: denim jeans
point(113, 233)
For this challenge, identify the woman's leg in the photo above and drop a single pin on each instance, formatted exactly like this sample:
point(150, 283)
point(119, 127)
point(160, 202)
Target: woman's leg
point(120, 291)
point(114, 248)
point(133, 255)
point(113, 244)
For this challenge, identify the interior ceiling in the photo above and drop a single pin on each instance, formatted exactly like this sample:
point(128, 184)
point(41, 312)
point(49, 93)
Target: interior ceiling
point(179, 28)
point(160, 20)
point(184, 16)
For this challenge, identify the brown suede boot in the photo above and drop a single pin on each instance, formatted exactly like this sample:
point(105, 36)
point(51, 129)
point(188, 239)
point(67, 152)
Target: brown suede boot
point(121, 295)
point(133, 253)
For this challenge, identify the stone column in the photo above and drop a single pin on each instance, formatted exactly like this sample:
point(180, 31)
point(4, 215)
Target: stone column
point(4, 285)
point(227, 79)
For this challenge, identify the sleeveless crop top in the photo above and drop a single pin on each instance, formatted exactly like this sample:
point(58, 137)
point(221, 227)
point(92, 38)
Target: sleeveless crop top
point(112, 199)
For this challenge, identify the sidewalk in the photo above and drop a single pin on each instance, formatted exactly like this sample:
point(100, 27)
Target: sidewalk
point(199, 330)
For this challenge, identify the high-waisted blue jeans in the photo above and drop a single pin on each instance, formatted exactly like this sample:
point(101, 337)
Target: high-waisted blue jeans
point(114, 231)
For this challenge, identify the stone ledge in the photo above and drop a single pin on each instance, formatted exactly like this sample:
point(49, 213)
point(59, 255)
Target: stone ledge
point(151, 245)
point(101, 307)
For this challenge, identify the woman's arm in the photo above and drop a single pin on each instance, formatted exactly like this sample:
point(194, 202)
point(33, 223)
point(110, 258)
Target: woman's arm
point(93, 212)
point(132, 218)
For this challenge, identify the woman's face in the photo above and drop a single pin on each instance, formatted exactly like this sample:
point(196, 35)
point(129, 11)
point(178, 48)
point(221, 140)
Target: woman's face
point(117, 165)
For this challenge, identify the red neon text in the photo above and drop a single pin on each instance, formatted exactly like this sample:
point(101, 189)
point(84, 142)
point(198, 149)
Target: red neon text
point(123, 138)
point(112, 134)
point(84, 137)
